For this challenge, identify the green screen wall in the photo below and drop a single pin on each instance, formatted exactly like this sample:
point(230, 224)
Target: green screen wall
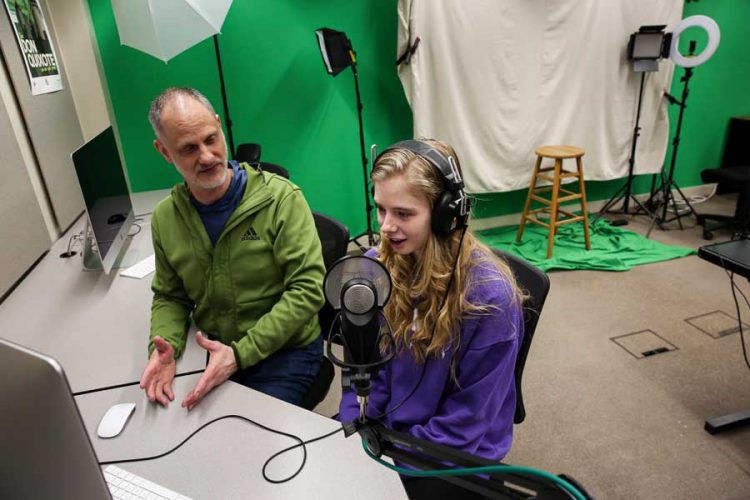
point(280, 96)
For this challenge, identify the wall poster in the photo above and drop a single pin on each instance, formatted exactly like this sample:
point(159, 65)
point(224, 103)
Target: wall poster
point(35, 43)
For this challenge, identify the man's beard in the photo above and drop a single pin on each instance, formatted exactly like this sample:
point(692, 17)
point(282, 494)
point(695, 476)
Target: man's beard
point(216, 182)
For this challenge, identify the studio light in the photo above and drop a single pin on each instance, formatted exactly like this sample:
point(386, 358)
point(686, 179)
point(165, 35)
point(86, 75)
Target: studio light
point(338, 54)
point(336, 50)
point(647, 46)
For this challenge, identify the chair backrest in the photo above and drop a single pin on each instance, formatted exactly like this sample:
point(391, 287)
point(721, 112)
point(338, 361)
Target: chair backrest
point(274, 169)
point(334, 238)
point(248, 152)
point(536, 284)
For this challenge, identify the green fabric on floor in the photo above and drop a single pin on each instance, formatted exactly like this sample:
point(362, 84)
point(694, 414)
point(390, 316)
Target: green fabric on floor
point(612, 248)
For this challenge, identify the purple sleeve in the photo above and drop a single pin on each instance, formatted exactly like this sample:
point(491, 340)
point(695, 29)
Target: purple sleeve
point(485, 396)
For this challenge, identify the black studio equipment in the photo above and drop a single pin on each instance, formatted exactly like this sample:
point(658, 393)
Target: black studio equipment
point(358, 287)
point(646, 47)
point(338, 54)
point(663, 198)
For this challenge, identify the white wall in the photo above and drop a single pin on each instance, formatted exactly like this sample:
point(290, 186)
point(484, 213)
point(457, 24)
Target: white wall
point(72, 24)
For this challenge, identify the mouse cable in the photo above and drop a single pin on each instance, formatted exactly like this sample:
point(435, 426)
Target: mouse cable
point(300, 442)
point(135, 224)
point(126, 384)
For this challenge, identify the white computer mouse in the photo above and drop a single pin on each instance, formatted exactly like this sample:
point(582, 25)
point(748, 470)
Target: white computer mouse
point(114, 420)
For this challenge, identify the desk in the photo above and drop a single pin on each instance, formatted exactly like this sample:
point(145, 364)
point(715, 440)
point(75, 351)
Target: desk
point(95, 325)
point(225, 459)
point(733, 256)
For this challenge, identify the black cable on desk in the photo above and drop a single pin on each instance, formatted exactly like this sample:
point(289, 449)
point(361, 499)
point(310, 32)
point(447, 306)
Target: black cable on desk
point(299, 440)
point(126, 384)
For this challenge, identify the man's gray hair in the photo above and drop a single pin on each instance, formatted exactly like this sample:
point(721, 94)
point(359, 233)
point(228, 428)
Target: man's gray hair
point(167, 96)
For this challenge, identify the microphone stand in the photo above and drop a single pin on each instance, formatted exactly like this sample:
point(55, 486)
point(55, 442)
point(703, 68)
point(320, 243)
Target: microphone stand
point(428, 456)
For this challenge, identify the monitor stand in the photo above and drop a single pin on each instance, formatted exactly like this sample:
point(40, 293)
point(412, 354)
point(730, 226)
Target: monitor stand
point(91, 260)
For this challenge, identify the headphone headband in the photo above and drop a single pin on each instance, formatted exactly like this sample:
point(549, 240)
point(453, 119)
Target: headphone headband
point(445, 166)
point(451, 211)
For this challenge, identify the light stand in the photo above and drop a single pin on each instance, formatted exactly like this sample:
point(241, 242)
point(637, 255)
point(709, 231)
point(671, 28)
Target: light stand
point(664, 195)
point(227, 119)
point(337, 52)
point(645, 48)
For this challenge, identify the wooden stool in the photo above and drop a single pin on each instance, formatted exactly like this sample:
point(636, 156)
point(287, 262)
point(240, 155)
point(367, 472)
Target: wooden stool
point(559, 195)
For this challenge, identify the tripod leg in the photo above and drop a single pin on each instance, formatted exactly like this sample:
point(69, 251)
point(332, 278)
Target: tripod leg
point(527, 206)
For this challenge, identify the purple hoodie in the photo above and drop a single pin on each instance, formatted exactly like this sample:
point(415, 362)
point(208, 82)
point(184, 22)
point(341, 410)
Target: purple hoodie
point(477, 415)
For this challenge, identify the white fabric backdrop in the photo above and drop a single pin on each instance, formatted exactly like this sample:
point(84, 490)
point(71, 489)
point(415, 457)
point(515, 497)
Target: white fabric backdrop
point(498, 78)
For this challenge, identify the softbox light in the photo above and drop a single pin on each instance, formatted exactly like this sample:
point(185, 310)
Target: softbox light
point(336, 50)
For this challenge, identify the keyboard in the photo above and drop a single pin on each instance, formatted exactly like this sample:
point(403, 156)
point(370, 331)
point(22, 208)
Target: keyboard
point(141, 269)
point(127, 486)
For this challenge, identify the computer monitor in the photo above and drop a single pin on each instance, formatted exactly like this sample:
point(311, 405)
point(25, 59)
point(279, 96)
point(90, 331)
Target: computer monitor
point(108, 206)
point(46, 451)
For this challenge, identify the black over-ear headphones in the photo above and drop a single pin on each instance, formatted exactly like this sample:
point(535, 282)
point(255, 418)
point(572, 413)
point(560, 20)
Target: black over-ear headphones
point(451, 209)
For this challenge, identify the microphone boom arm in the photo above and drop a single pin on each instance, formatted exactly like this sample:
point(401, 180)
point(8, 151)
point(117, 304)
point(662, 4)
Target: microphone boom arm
point(425, 455)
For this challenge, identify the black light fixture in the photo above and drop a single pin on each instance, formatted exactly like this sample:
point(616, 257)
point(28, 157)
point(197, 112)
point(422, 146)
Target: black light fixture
point(338, 54)
point(646, 47)
point(336, 49)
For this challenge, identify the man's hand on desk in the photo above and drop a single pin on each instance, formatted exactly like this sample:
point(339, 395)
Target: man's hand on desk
point(159, 373)
point(221, 366)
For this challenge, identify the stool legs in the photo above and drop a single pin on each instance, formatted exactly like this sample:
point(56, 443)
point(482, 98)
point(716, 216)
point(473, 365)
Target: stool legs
point(584, 208)
point(553, 207)
point(526, 207)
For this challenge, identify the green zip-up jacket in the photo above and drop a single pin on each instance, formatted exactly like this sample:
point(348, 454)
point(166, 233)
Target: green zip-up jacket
point(258, 290)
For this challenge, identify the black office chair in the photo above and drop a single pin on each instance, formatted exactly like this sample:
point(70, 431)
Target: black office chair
point(536, 284)
point(249, 152)
point(738, 179)
point(334, 238)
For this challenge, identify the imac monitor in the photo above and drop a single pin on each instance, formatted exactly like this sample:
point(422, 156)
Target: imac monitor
point(107, 198)
point(46, 452)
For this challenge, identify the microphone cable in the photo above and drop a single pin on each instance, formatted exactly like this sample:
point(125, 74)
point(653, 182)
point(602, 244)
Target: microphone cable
point(300, 442)
point(486, 469)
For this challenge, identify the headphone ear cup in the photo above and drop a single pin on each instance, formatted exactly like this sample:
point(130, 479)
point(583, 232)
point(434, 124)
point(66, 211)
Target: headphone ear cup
point(443, 214)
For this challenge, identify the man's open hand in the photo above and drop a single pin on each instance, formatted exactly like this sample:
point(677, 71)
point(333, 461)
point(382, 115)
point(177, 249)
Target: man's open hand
point(159, 373)
point(221, 366)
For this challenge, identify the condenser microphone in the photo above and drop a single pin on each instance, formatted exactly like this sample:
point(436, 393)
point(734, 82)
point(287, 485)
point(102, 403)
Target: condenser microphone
point(358, 288)
point(359, 322)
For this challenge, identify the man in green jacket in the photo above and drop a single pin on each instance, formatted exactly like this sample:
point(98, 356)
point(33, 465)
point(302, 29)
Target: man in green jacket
point(237, 249)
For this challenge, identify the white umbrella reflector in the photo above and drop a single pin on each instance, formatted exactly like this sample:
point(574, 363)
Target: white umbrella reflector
point(165, 28)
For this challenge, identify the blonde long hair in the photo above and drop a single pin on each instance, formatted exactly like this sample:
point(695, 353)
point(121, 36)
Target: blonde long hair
point(422, 283)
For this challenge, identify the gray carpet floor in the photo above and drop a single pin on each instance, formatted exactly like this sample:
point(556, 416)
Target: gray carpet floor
point(627, 426)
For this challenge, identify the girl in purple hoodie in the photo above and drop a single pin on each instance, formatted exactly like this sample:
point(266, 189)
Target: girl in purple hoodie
point(455, 312)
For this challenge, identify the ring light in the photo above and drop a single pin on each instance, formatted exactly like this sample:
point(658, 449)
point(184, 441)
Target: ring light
point(711, 29)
